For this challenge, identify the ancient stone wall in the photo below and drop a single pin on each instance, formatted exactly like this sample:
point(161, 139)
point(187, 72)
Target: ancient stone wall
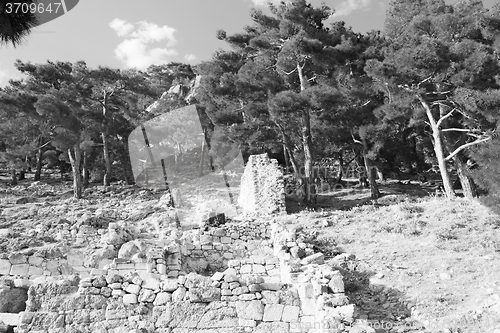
point(280, 290)
point(262, 189)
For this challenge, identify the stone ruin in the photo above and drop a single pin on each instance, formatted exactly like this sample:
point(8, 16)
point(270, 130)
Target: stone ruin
point(251, 275)
point(262, 188)
point(245, 276)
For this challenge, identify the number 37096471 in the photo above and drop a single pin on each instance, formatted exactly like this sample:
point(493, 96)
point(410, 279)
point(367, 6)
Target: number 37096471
point(24, 8)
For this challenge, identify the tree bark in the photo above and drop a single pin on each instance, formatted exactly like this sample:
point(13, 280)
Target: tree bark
point(306, 140)
point(307, 143)
point(13, 177)
point(340, 174)
point(438, 150)
point(105, 144)
point(75, 167)
point(286, 143)
point(370, 171)
point(39, 158)
point(202, 158)
point(468, 186)
point(85, 169)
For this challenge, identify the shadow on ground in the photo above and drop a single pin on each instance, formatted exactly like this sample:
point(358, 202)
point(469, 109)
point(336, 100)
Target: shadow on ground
point(385, 309)
point(350, 195)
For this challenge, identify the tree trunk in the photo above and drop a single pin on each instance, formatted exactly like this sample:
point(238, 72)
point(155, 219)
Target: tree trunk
point(39, 158)
point(438, 150)
point(306, 139)
point(202, 158)
point(468, 186)
point(307, 143)
point(22, 174)
point(13, 177)
point(85, 170)
point(107, 160)
point(340, 174)
point(287, 160)
point(370, 172)
point(445, 175)
point(75, 167)
point(286, 143)
point(105, 144)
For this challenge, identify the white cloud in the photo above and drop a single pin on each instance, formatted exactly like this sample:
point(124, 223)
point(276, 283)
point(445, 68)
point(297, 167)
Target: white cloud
point(348, 6)
point(137, 51)
point(190, 57)
point(150, 32)
point(122, 28)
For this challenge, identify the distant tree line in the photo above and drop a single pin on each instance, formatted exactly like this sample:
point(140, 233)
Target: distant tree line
point(423, 93)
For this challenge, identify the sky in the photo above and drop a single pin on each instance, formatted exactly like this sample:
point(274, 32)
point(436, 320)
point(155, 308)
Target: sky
point(130, 33)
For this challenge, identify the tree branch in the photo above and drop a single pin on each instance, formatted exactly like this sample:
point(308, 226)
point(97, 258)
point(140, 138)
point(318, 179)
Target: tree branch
point(355, 140)
point(462, 147)
point(425, 80)
point(443, 118)
point(456, 130)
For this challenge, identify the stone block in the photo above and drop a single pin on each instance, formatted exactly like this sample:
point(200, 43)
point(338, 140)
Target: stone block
point(316, 258)
point(5, 266)
point(204, 294)
point(226, 240)
point(290, 314)
point(253, 310)
point(273, 312)
point(35, 271)
point(217, 276)
point(246, 269)
point(169, 285)
point(130, 299)
point(246, 323)
point(35, 261)
point(271, 286)
point(247, 297)
point(161, 268)
point(162, 299)
point(336, 283)
point(133, 289)
point(146, 295)
point(152, 284)
point(18, 259)
point(20, 269)
point(118, 293)
point(258, 269)
point(179, 294)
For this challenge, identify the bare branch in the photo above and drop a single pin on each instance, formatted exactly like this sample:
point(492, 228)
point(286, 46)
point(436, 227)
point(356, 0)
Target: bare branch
point(425, 80)
point(443, 118)
point(355, 140)
point(456, 130)
point(289, 72)
point(467, 145)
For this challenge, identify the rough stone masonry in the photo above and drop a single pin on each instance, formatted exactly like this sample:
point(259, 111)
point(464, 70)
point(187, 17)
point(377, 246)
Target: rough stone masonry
point(262, 189)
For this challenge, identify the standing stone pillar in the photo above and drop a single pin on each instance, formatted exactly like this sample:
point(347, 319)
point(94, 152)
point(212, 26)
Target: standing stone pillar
point(262, 189)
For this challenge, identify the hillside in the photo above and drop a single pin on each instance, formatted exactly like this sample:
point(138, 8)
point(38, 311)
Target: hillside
point(411, 263)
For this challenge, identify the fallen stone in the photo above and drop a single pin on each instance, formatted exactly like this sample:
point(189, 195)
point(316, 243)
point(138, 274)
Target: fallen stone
point(317, 258)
